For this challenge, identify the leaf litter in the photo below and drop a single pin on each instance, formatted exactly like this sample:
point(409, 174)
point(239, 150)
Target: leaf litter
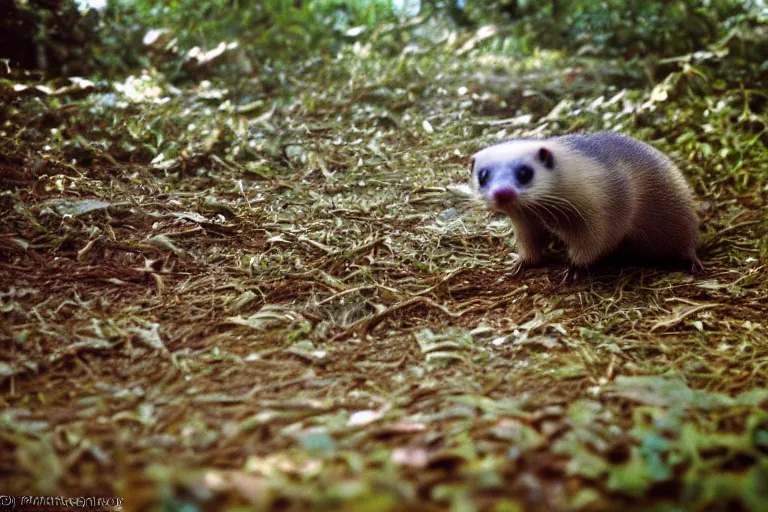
point(295, 304)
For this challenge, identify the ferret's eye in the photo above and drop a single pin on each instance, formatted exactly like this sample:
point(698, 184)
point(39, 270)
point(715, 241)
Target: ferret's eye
point(483, 175)
point(524, 174)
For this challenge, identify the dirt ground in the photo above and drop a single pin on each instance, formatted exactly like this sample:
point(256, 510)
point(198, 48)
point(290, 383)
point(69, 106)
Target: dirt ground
point(303, 310)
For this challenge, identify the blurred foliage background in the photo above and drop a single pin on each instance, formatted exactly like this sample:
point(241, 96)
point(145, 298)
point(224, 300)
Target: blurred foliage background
point(692, 50)
point(64, 37)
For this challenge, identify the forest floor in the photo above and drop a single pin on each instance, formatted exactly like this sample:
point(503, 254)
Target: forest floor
point(278, 294)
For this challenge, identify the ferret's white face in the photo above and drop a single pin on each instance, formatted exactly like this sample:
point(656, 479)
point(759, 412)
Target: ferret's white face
point(513, 174)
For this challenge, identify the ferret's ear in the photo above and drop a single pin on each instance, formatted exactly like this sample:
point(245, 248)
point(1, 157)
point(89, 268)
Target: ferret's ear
point(471, 165)
point(545, 157)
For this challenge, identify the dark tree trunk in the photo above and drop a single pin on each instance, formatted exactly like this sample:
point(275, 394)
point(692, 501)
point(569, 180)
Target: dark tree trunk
point(511, 9)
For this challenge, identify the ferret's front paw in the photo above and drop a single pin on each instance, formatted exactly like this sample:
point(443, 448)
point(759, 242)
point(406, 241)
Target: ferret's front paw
point(697, 268)
point(517, 267)
point(521, 263)
point(573, 274)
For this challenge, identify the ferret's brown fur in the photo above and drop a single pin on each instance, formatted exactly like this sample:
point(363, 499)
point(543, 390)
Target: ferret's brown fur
point(596, 192)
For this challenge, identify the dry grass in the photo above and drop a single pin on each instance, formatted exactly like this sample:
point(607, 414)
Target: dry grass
point(299, 311)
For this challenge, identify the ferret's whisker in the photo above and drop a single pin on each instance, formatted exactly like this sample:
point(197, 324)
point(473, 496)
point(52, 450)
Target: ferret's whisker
point(544, 206)
point(564, 202)
point(531, 208)
point(533, 211)
point(557, 206)
point(573, 206)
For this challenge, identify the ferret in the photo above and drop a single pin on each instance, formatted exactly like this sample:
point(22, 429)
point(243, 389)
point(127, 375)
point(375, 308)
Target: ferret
point(596, 192)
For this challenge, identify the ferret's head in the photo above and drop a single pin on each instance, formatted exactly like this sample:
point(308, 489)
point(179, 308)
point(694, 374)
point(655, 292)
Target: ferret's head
point(512, 174)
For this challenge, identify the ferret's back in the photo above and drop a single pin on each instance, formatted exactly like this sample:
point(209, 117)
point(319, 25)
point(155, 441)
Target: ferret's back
point(612, 149)
point(660, 204)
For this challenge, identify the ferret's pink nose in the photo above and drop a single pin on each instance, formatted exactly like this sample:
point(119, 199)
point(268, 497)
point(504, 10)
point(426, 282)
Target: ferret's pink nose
point(504, 195)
